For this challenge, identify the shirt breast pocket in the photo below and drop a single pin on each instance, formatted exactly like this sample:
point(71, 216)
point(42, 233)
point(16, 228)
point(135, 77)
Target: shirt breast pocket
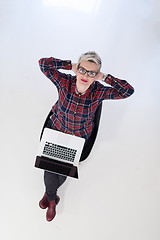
point(86, 111)
point(64, 103)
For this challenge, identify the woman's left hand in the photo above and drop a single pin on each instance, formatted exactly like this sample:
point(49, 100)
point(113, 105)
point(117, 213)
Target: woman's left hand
point(100, 76)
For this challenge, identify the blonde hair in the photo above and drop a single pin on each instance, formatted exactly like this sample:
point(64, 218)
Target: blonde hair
point(90, 56)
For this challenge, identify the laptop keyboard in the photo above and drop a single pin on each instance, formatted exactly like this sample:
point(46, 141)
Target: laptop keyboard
point(60, 152)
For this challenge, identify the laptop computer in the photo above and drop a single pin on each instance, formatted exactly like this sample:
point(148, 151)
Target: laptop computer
point(59, 152)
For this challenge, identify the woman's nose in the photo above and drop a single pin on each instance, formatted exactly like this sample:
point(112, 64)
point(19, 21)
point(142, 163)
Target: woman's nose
point(86, 74)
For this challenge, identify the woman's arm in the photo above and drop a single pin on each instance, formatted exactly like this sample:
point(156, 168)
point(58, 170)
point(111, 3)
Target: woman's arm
point(119, 88)
point(50, 67)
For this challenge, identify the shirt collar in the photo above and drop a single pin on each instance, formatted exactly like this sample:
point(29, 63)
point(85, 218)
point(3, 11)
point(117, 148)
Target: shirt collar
point(76, 91)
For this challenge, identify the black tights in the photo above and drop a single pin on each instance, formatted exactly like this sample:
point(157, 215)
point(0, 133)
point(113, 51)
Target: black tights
point(52, 182)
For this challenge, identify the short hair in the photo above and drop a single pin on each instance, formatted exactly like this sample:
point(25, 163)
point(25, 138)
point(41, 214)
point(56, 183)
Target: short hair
point(90, 56)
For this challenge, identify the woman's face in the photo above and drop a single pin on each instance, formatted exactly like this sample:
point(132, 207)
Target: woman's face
point(86, 74)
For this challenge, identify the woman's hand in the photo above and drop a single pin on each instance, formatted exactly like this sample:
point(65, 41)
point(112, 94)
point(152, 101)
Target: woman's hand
point(100, 76)
point(74, 67)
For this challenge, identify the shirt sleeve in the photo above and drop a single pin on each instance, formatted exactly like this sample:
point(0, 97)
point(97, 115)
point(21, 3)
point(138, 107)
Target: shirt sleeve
point(119, 89)
point(50, 67)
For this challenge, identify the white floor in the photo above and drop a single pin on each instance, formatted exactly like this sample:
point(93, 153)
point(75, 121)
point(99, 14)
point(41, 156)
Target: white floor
point(118, 193)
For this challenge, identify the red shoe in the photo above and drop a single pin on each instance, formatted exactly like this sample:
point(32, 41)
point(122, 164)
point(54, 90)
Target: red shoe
point(51, 211)
point(44, 202)
point(57, 199)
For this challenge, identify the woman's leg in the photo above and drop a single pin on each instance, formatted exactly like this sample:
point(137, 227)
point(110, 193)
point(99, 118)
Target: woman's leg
point(52, 182)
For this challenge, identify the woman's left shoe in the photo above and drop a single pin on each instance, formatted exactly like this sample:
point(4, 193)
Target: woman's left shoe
point(51, 211)
point(57, 199)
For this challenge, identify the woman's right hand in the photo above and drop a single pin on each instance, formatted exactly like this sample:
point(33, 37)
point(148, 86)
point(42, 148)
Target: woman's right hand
point(74, 67)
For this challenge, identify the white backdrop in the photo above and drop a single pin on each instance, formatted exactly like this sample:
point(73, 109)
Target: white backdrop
point(118, 194)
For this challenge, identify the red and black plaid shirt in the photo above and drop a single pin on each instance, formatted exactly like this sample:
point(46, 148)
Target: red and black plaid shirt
point(74, 113)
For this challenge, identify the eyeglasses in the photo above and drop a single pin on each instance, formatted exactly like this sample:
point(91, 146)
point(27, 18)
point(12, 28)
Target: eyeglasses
point(83, 71)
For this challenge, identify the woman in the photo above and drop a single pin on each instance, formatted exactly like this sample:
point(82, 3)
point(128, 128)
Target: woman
point(73, 113)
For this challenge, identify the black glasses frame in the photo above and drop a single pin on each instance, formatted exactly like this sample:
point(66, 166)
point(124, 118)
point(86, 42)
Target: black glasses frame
point(91, 74)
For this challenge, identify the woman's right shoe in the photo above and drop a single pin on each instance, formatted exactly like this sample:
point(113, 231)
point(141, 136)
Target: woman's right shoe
point(44, 202)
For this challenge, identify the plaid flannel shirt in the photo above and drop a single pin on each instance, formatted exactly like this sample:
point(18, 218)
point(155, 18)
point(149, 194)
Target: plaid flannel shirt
point(74, 113)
